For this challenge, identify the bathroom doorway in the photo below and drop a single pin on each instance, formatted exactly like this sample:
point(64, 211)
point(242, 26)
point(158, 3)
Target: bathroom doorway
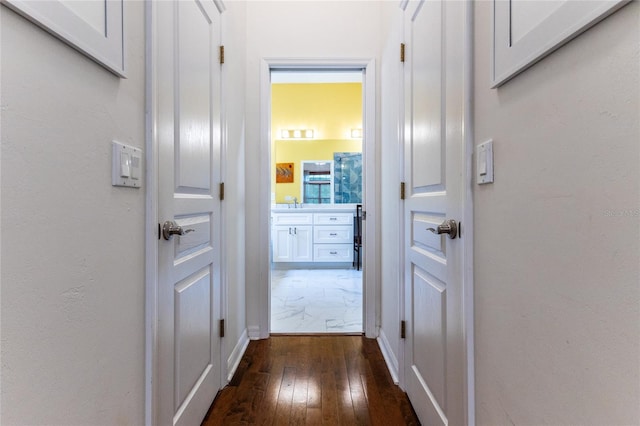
point(316, 254)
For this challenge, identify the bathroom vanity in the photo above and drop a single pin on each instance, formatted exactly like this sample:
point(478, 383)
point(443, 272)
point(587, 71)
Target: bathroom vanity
point(319, 234)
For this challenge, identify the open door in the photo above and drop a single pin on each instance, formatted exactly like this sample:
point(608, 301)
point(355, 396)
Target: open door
point(434, 163)
point(185, 41)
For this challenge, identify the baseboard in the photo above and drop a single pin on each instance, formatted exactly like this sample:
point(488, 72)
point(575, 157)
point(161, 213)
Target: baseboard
point(254, 332)
point(236, 355)
point(388, 355)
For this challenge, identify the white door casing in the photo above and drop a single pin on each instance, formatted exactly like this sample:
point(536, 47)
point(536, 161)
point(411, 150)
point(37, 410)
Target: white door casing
point(371, 285)
point(185, 87)
point(436, 98)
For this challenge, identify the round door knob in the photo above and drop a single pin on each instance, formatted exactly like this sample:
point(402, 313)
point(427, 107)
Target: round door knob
point(449, 226)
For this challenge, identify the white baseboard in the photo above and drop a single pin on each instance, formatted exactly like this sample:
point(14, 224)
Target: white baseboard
point(389, 356)
point(236, 355)
point(254, 332)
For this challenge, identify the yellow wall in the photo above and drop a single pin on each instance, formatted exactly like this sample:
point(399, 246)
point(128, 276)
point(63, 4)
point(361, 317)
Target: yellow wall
point(330, 109)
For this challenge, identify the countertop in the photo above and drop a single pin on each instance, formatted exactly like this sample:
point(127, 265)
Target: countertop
point(313, 208)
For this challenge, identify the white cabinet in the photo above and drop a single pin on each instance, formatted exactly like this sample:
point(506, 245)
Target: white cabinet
point(292, 237)
point(312, 237)
point(333, 237)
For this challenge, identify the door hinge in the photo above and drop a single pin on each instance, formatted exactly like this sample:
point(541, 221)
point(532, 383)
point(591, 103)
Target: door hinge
point(221, 191)
point(221, 328)
point(364, 215)
point(402, 190)
point(221, 55)
point(403, 329)
point(401, 52)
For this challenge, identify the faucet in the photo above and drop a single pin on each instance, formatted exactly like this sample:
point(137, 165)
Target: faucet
point(295, 202)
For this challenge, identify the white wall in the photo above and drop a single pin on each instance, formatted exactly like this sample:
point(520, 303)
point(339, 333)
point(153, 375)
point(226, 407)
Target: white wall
point(73, 245)
point(309, 29)
point(556, 277)
point(234, 39)
point(391, 102)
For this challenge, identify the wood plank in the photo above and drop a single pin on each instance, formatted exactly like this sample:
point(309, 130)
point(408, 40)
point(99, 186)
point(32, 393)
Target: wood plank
point(312, 380)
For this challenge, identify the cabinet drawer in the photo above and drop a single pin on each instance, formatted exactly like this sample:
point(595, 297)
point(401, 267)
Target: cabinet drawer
point(333, 218)
point(333, 234)
point(292, 218)
point(332, 252)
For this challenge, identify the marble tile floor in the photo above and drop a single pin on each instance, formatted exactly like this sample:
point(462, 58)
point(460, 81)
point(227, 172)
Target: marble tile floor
point(316, 301)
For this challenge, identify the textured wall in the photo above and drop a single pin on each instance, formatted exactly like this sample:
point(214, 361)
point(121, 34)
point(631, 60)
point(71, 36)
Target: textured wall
point(73, 245)
point(557, 237)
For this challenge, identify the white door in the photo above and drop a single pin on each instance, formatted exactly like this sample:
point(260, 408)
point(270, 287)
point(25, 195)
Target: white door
point(434, 352)
point(186, 40)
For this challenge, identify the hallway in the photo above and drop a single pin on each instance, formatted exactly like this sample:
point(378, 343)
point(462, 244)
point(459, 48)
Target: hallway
point(335, 380)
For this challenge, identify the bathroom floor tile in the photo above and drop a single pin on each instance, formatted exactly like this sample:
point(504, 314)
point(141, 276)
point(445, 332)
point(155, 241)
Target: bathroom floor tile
point(316, 301)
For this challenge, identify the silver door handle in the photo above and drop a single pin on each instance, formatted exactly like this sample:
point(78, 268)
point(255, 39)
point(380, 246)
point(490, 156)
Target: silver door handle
point(449, 226)
point(170, 228)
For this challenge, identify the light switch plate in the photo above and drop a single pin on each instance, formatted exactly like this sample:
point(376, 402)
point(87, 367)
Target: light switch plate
point(126, 165)
point(484, 162)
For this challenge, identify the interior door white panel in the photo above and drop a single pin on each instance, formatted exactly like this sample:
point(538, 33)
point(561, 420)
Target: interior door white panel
point(187, 36)
point(193, 159)
point(434, 347)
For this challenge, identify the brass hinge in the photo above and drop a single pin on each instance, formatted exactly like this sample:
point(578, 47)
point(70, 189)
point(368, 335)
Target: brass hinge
point(401, 52)
point(403, 329)
point(402, 190)
point(221, 55)
point(221, 328)
point(221, 191)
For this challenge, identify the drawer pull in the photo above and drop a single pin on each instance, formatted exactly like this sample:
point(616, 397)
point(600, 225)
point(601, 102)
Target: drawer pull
point(333, 218)
point(333, 234)
point(333, 252)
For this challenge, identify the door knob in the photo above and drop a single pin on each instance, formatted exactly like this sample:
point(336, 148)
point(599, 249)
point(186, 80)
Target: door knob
point(170, 228)
point(449, 226)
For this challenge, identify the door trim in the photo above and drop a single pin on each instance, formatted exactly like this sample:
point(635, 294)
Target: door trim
point(152, 220)
point(371, 285)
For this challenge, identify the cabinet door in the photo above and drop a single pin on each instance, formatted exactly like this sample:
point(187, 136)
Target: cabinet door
point(282, 238)
point(302, 243)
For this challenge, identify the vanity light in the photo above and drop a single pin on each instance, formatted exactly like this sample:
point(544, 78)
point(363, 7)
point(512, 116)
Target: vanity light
point(356, 133)
point(296, 134)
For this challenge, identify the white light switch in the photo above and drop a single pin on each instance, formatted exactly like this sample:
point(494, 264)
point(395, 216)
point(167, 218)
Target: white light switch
point(136, 169)
point(484, 162)
point(126, 166)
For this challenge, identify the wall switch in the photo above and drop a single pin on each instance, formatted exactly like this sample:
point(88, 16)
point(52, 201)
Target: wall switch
point(484, 162)
point(126, 165)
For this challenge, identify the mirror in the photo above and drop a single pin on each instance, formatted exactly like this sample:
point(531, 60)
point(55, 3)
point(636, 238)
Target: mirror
point(317, 182)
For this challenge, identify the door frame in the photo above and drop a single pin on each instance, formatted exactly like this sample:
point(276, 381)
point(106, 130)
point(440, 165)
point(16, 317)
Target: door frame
point(370, 281)
point(467, 220)
point(152, 231)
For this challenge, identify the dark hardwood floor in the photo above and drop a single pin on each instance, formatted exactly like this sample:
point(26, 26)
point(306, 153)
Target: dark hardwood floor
point(298, 380)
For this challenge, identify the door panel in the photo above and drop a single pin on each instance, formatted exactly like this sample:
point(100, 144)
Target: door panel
point(193, 332)
point(433, 170)
point(186, 40)
point(193, 158)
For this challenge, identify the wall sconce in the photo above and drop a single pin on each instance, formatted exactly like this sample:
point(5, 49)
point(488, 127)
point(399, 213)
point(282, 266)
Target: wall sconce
point(356, 133)
point(296, 134)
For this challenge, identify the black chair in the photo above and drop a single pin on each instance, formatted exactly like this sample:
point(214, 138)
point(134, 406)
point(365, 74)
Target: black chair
point(357, 238)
